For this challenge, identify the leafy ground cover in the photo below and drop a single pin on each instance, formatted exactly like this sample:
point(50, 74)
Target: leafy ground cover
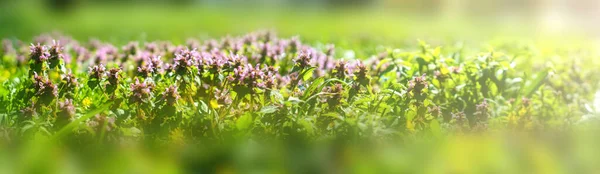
point(262, 87)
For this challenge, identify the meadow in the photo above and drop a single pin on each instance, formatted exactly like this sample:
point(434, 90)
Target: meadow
point(104, 100)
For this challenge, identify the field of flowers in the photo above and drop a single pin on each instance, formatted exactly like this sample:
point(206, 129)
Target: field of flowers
point(262, 87)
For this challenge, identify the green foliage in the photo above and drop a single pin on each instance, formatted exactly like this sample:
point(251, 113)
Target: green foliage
point(300, 91)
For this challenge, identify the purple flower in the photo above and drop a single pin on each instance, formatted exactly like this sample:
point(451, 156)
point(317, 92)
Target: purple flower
point(152, 47)
point(211, 45)
point(45, 38)
point(184, 60)
point(249, 38)
point(100, 122)
point(46, 91)
point(459, 117)
point(267, 36)
point(28, 112)
point(227, 42)
point(55, 54)
point(455, 70)
point(223, 97)
point(435, 111)
point(113, 76)
point(7, 47)
point(145, 70)
point(171, 95)
point(140, 91)
point(294, 44)
point(438, 75)
point(330, 50)
point(81, 53)
point(156, 63)
point(482, 110)
point(418, 84)
point(304, 59)
point(69, 82)
point(270, 78)
point(97, 72)
point(66, 110)
point(95, 44)
point(334, 97)
point(247, 78)
point(106, 53)
point(340, 69)
point(361, 74)
point(39, 53)
point(236, 46)
point(131, 48)
point(193, 43)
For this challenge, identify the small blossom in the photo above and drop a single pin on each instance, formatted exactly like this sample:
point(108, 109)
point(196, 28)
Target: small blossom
point(39, 53)
point(440, 76)
point(157, 63)
point(223, 97)
point(69, 82)
point(171, 95)
point(131, 48)
point(100, 122)
point(435, 111)
point(184, 60)
point(330, 50)
point(418, 84)
point(459, 117)
point(294, 44)
point(113, 76)
point(482, 110)
point(152, 47)
point(303, 60)
point(455, 70)
point(112, 79)
point(362, 74)
point(46, 91)
point(140, 91)
point(28, 112)
point(55, 54)
point(193, 43)
point(145, 70)
point(66, 110)
point(97, 72)
point(340, 70)
point(7, 47)
point(335, 95)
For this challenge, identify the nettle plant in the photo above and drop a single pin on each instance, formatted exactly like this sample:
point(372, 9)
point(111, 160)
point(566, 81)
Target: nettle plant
point(260, 85)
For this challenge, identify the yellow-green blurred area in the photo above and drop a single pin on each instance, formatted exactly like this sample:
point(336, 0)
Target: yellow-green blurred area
point(380, 21)
point(507, 153)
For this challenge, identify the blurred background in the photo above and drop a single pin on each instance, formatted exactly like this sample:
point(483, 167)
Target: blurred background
point(394, 20)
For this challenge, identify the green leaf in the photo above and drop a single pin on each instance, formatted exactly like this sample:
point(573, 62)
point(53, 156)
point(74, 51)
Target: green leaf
point(65, 130)
point(244, 122)
point(295, 100)
point(308, 73)
point(268, 109)
point(313, 86)
point(276, 96)
point(536, 83)
point(307, 126)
